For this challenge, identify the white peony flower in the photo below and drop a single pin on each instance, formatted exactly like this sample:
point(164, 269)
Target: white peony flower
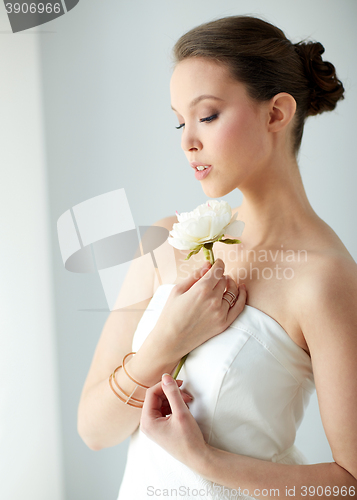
point(203, 226)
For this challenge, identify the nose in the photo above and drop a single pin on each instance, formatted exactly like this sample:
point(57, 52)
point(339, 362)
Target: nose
point(190, 141)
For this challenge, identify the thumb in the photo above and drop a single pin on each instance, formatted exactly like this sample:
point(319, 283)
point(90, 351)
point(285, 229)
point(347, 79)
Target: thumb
point(173, 394)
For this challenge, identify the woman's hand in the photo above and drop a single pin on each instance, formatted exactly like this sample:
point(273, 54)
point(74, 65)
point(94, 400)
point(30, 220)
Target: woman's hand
point(195, 310)
point(187, 398)
point(166, 419)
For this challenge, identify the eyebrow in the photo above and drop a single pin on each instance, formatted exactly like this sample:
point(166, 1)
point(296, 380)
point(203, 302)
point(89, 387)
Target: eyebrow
point(201, 98)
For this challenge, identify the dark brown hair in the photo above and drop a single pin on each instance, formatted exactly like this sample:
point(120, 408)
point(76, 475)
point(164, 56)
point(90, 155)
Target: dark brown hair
point(259, 55)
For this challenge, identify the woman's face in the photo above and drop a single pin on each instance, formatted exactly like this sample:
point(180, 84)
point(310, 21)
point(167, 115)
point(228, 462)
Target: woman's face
point(227, 131)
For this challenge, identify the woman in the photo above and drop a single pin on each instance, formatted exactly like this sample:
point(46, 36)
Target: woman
point(241, 92)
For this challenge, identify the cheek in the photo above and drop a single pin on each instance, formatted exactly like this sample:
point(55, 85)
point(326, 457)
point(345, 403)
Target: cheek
point(243, 137)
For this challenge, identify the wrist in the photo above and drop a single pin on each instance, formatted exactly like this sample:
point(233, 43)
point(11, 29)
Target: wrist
point(202, 460)
point(148, 364)
point(164, 346)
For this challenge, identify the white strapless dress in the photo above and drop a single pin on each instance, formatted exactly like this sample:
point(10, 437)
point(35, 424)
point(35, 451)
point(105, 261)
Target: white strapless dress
point(251, 385)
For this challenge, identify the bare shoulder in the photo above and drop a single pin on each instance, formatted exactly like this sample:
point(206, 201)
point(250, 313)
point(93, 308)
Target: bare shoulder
point(164, 255)
point(329, 264)
point(325, 271)
point(166, 222)
point(326, 292)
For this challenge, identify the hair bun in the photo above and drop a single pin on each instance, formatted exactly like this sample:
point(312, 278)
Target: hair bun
point(325, 88)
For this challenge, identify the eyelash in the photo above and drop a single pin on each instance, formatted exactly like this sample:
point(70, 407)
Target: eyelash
point(208, 120)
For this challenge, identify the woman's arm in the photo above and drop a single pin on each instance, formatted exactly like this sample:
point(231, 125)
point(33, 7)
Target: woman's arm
point(104, 420)
point(329, 322)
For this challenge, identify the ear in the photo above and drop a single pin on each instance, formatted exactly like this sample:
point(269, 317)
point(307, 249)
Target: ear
point(281, 111)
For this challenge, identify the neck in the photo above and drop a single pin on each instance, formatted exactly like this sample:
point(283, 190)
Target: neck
point(275, 206)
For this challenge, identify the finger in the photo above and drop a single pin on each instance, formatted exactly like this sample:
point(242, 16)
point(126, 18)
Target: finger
point(166, 410)
point(187, 398)
point(196, 275)
point(221, 286)
point(239, 305)
point(232, 288)
point(153, 402)
point(230, 294)
point(214, 274)
point(173, 395)
point(155, 398)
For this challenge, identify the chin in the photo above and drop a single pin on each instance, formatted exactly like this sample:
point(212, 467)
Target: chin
point(216, 191)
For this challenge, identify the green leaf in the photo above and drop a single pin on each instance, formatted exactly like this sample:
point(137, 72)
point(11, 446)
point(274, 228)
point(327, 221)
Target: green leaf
point(193, 252)
point(230, 242)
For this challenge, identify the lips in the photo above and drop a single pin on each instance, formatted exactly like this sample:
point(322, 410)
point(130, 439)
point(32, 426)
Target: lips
point(202, 173)
point(195, 164)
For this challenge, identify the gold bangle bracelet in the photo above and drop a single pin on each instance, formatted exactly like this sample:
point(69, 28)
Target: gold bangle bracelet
point(118, 395)
point(131, 378)
point(129, 396)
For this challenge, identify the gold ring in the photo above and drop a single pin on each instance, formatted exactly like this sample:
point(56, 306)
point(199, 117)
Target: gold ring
point(232, 295)
point(225, 298)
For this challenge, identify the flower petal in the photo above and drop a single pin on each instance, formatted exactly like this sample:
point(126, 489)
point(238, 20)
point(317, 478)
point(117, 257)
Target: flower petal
point(207, 223)
point(235, 228)
point(182, 244)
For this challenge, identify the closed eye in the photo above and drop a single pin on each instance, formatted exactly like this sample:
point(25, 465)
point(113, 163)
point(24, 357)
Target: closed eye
point(208, 120)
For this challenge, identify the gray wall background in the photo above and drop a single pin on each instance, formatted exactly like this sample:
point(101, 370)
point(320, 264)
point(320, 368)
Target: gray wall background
point(105, 70)
point(30, 428)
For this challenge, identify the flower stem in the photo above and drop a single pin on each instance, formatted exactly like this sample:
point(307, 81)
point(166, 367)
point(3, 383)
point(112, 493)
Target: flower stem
point(208, 251)
point(179, 366)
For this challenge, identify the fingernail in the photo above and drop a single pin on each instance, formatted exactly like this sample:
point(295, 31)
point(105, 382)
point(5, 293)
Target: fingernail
point(167, 379)
point(243, 286)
